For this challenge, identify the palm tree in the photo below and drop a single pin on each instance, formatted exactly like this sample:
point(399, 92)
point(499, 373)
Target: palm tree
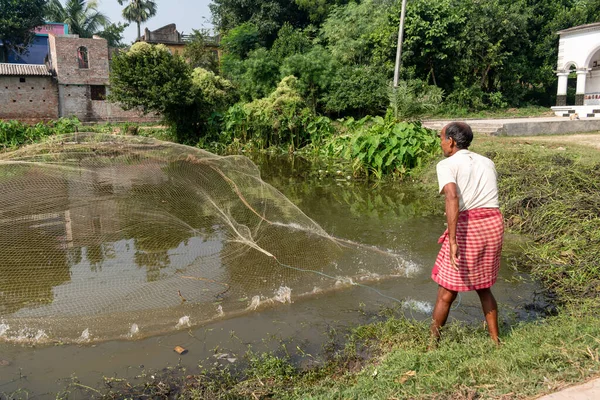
point(83, 17)
point(138, 11)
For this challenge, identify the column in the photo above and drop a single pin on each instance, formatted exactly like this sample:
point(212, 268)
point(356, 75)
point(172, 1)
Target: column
point(579, 94)
point(561, 94)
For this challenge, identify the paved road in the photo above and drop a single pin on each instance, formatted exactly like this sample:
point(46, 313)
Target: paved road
point(588, 391)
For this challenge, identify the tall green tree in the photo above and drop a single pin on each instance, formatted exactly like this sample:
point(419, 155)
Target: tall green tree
point(138, 11)
point(17, 20)
point(267, 15)
point(82, 16)
point(113, 33)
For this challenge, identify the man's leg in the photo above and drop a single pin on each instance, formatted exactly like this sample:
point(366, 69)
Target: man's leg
point(490, 310)
point(444, 301)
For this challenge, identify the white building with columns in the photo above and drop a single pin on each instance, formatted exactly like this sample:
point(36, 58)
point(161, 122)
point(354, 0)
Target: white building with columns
point(579, 53)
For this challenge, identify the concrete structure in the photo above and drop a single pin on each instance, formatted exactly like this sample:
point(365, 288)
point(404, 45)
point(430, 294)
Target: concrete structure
point(579, 55)
point(587, 391)
point(176, 41)
point(524, 126)
point(37, 51)
point(74, 82)
point(27, 93)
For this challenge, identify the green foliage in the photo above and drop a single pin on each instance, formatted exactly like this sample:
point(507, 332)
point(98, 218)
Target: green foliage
point(213, 96)
point(348, 30)
point(381, 146)
point(138, 11)
point(17, 19)
point(14, 134)
point(198, 55)
point(318, 9)
point(412, 99)
point(357, 90)
point(315, 71)
point(261, 73)
point(113, 33)
point(82, 16)
point(278, 119)
point(268, 16)
point(151, 79)
point(241, 40)
point(290, 42)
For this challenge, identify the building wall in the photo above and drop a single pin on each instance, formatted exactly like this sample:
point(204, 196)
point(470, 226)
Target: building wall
point(34, 100)
point(35, 54)
point(76, 101)
point(593, 82)
point(65, 63)
point(576, 47)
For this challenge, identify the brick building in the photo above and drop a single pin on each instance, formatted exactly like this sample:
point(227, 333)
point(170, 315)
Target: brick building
point(73, 82)
point(27, 93)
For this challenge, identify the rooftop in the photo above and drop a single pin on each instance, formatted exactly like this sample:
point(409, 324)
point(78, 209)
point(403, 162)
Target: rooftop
point(594, 26)
point(23, 70)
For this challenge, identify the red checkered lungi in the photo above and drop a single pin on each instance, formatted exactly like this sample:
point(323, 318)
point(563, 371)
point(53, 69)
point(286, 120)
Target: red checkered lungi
point(479, 234)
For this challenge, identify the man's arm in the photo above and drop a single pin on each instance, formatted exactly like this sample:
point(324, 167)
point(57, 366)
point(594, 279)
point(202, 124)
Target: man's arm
point(452, 219)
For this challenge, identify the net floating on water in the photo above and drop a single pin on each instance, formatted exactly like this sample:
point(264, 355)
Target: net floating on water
point(102, 234)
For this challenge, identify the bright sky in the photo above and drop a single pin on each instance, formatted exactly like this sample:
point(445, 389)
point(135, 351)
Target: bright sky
point(187, 14)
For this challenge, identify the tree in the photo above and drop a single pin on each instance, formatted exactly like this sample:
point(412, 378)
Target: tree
point(113, 33)
point(349, 29)
point(290, 41)
point(319, 9)
point(83, 17)
point(138, 11)
point(198, 55)
point(267, 15)
point(314, 70)
point(151, 79)
point(17, 20)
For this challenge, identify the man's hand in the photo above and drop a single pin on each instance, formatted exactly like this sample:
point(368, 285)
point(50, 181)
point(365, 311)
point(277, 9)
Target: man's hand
point(454, 255)
point(450, 191)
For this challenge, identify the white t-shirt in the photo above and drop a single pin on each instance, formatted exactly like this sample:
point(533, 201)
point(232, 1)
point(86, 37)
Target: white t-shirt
point(475, 177)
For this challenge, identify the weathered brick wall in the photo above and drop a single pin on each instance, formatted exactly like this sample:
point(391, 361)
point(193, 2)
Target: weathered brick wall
point(34, 100)
point(63, 53)
point(76, 101)
point(74, 82)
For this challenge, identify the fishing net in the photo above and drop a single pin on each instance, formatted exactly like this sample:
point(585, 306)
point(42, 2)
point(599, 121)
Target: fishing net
point(109, 236)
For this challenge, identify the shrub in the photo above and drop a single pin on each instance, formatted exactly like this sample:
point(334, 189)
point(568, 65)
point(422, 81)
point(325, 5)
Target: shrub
point(381, 146)
point(274, 120)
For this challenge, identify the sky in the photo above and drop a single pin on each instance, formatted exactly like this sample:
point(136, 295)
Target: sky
point(187, 14)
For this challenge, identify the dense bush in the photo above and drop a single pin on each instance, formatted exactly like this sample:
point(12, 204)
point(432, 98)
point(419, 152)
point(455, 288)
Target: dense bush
point(276, 120)
point(151, 79)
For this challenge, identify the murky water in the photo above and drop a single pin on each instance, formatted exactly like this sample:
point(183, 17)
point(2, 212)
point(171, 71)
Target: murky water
point(392, 217)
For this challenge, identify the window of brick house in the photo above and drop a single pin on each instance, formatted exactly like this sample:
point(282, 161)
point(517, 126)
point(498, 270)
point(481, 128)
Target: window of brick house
point(98, 92)
point(82, 57)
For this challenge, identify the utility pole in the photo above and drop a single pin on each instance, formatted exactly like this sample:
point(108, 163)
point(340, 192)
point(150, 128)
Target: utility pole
point(399, 51)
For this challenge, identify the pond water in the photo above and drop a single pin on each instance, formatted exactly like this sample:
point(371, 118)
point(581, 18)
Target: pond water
point(380, 219)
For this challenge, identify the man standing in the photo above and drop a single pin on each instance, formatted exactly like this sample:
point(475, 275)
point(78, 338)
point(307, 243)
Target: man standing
point(471, 246)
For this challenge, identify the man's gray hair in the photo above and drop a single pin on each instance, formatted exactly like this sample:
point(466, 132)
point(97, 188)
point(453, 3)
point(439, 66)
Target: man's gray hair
point(461, 133)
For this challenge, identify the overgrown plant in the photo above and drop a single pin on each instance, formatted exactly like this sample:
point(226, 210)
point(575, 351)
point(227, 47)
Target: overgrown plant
point(14, 134)
point(276, 120)
point(413, 99)
point(381, 146)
